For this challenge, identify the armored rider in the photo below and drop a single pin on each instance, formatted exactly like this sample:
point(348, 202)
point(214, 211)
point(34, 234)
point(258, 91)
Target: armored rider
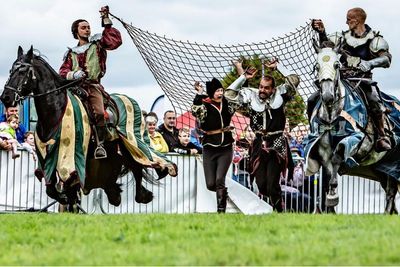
point(363, 49)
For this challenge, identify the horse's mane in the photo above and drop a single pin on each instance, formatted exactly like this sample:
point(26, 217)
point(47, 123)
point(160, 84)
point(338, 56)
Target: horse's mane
point(41, 57)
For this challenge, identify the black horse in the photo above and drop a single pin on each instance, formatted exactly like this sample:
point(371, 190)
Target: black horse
point(63, 136)
point(342, 136)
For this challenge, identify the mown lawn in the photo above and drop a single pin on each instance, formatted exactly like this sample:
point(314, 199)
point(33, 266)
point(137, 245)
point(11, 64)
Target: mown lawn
point(199, 239)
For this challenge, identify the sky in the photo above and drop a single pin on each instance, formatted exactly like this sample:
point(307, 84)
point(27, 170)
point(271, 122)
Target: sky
point(45, 24)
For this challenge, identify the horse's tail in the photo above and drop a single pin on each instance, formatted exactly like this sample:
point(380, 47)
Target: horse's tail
point(137, 169)
point(134, 136)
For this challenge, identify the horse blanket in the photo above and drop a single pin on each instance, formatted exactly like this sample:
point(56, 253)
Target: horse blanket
point(66, 152)
point(348, 132)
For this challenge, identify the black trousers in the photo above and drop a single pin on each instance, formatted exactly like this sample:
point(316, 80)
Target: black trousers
point(216, 162)
point(267, 169)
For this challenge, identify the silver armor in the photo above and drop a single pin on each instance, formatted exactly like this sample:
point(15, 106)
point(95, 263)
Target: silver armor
point(378, 44)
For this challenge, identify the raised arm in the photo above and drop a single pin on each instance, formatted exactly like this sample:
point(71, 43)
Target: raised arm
point(198, 109)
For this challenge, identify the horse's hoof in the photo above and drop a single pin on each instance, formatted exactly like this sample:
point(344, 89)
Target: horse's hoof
point(52, 192)
point(114, 194)
point(144, 197)
point(161, 173)
point(332, 200)
point(172, 170)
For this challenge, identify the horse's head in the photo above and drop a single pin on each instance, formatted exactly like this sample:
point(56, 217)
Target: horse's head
point(22, 79)
point(327, 66)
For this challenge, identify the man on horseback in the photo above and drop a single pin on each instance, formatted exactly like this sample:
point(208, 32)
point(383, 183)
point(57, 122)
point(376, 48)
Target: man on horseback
point(362, 50)
point(265, 107)
point(87, 61)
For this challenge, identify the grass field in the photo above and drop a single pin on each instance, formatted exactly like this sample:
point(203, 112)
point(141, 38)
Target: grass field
point(199, 239)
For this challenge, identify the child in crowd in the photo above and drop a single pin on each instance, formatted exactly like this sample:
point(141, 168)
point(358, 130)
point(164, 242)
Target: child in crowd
point(29, 144)
point(7, 133)
point(185, 146)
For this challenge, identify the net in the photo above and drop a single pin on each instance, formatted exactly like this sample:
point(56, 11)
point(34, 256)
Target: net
point(176, 65)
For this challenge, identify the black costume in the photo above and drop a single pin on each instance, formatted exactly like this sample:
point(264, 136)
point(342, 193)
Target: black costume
point(215, 118)
point(269, 151)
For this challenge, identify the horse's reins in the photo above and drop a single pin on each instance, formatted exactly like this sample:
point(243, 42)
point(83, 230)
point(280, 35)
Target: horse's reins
point(17, 91)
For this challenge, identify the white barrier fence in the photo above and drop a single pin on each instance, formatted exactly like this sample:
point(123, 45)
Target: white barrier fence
point(186, 193)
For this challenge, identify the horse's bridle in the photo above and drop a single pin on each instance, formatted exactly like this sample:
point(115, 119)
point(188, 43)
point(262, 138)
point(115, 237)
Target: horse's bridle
point(17, 91)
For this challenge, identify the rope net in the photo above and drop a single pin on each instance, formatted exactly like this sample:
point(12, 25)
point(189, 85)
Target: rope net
point(176, 65)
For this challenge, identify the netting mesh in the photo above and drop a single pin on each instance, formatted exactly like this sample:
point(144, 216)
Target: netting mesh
point(176, 65)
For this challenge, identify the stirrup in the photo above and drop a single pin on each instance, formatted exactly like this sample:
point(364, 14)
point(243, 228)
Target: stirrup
point(100, 152)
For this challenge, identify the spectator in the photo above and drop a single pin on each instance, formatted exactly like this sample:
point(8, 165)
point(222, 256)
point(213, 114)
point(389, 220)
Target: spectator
point(169, 131)
point(29, 144)
point(20, 131)
point(156, 139)
point(185, 146)
point(196, 135)
point(7, 133)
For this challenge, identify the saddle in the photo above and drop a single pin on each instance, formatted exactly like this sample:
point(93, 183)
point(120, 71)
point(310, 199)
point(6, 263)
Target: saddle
point(111, 113)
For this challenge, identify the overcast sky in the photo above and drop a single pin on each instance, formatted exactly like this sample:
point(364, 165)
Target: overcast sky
point(45, 24)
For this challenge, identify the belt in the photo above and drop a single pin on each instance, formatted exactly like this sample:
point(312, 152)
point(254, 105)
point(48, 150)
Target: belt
point(265, 133)
point(218, 131)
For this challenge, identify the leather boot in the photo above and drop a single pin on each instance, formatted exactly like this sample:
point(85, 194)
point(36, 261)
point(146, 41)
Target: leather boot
point(222, 195)
point(100, 152)
point(383, 141)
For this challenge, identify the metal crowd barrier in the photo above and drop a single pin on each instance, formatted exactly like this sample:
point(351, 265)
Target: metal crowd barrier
point(21, 191)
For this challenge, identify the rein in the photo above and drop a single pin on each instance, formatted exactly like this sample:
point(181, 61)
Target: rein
point(17, 91)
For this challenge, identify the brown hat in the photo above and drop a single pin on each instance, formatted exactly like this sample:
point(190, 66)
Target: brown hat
point(213, 86)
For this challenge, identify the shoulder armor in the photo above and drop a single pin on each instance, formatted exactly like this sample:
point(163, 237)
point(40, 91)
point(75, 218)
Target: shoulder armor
point(378, 44)
point(95, 37)
point(355, 42)
point(335, 37)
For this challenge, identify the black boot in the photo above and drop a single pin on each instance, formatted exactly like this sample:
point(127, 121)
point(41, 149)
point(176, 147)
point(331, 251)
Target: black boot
point(222, 195)
point(100, 152)
point(383, 141)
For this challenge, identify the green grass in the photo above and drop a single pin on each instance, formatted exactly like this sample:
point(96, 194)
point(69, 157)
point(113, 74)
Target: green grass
point(198, 239)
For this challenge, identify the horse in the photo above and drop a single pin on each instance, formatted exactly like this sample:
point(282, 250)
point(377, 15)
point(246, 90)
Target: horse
point(64, 141)
point(342, 135)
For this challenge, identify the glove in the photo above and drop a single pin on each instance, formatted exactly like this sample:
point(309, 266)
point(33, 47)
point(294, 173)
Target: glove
point(364, 66)
point(353, 62)
point(104, 11)
point(105, 20)
point(79, 74)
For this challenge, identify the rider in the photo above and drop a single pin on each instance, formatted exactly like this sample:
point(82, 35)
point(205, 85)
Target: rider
point(363, 49)
point(265, 107)
point(87, 61)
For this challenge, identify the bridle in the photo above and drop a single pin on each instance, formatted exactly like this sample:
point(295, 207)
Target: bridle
point(30, 73)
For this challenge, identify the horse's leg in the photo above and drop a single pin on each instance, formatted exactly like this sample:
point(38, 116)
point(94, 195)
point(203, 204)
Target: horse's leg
point(389, 184)
point(331, 166)
point(142, 194)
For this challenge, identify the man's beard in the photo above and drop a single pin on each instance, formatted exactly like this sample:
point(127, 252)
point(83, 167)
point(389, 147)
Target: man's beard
point(263, 96)
point(84, 38)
